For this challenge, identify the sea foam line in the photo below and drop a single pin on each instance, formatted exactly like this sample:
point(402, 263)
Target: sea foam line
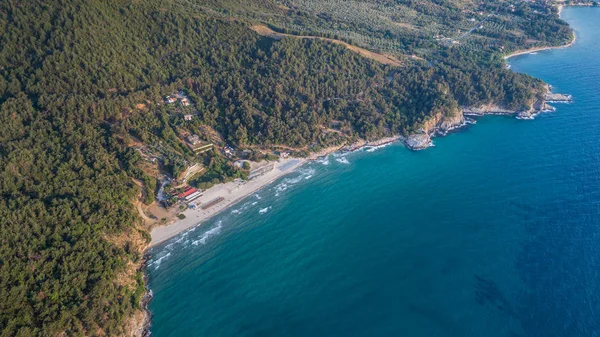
point(209, 233)
point(264, 210)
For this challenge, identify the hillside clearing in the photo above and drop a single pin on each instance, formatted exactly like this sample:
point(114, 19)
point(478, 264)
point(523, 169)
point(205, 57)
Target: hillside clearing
point(381, 58)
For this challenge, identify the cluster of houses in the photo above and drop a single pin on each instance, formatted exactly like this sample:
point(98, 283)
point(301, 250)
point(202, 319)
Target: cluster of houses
point(178, 96)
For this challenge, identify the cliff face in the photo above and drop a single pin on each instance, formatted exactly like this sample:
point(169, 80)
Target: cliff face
point(137, 324)
point(438, 123)
point(443, 123)
point(487, 109)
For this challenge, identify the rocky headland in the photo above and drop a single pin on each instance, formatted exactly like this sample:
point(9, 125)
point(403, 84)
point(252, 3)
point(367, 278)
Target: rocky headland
point(441, 124)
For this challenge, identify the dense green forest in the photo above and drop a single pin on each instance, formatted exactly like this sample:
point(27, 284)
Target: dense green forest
point(73, 74)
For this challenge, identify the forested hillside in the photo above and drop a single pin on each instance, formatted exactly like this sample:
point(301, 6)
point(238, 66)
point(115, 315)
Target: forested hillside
point(79, 78)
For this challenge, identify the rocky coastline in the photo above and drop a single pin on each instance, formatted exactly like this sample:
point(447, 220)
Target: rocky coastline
point(147, 321)
point(441, 124)
point(141, 321)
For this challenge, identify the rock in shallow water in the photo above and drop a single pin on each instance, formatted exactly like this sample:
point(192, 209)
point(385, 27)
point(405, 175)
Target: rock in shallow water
point(418, 141)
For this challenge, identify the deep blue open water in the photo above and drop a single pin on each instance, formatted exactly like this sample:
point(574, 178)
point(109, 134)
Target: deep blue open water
point(493, 232)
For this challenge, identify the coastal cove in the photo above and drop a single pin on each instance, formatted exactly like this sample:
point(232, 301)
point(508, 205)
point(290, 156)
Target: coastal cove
point(228, 194)
point(491, 232)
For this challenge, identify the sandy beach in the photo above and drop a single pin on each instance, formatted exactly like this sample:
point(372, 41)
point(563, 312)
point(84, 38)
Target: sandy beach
point(533, 50)
point(232, 192)
point(235, 191)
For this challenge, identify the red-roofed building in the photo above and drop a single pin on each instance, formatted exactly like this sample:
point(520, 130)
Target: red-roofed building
point(186, 193)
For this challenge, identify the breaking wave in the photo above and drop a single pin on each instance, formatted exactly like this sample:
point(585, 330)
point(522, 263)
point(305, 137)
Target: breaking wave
point(304, 174)
point(264, 210)
point(341, 158)
point(156, 262)
point(375, 148)
point(323, 160)
point(181, 238)
point(242, 208)
point(209, 233)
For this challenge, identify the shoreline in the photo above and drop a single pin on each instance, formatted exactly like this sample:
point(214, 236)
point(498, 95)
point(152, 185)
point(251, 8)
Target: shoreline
point(179, 226)
point(235, 191)
point(231, 192)
point(537, 49)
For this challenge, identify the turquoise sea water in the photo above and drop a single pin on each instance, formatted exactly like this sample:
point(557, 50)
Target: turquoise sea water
point(493, 232)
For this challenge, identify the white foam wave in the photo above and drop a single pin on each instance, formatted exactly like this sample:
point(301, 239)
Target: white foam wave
point(293, 181)
point(208, 234)
point(323, 160)
point(304, 174)
point(156, 263)
point(264, 210)
point(241, 209)
point(375, 148)
point(341, 158)
point(181, 237)
point(307, 171)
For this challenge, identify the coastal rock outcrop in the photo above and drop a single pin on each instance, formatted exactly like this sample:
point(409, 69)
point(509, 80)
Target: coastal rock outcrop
point(443, 123)
point(558, 98)
point(487, 109)
point(439, 123)
point(418, 141)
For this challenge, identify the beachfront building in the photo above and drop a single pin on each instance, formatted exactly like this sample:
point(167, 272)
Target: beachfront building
point(193, 196)
point(186, 191)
